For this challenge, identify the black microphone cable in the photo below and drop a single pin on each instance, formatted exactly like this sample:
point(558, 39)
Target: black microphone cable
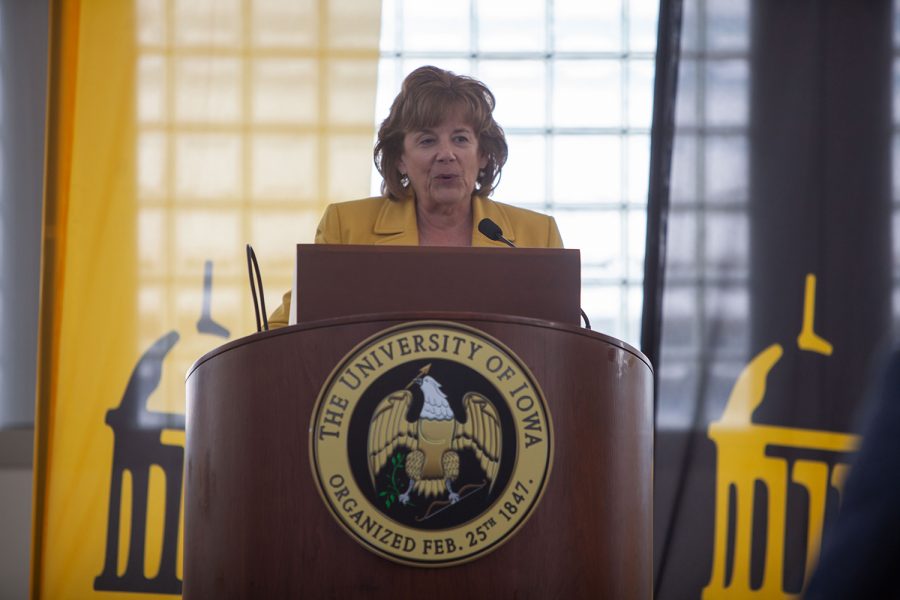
point(253, 267)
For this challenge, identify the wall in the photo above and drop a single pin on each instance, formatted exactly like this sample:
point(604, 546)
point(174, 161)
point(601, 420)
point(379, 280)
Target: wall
point(23, 75)
point(15, 512)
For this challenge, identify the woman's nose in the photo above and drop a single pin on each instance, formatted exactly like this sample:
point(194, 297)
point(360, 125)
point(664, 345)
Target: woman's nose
point(445, 152)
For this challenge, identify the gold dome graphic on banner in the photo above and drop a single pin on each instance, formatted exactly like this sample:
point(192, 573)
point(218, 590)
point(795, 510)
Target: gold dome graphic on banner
point(750, 454)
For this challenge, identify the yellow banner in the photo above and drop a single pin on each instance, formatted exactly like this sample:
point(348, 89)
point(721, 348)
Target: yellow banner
point(178, 131)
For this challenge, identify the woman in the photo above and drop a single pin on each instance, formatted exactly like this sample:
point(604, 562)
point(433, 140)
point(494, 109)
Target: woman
point(440, 154)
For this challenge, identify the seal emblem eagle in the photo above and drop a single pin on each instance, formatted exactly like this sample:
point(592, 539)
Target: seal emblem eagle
point(434, 437)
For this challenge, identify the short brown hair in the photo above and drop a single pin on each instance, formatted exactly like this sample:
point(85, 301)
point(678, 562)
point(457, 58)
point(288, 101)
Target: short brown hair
point(427, 97)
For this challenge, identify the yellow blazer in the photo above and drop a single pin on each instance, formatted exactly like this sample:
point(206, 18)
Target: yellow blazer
point(380, 220)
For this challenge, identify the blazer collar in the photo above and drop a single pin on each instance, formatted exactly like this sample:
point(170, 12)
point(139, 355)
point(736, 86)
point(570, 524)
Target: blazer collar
point(396, 222)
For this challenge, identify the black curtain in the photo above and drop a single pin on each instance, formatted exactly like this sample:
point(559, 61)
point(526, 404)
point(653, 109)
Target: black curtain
point(769, 264)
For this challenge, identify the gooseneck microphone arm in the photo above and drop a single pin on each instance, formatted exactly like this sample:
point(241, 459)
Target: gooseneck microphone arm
point(587, 322)
point(253, 268)
point(492, 231)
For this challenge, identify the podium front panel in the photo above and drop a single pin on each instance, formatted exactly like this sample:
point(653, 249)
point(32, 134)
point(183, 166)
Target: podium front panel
point(256, 526)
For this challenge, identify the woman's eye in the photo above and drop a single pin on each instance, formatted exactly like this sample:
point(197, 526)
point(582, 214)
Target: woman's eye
point(462, 139)
point(426, 141)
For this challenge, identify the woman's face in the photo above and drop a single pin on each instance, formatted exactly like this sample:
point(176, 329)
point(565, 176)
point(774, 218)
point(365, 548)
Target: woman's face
point(442, 163)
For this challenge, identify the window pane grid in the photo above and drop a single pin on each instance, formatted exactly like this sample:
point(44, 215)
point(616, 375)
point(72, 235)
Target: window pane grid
point(706, 287)
point(243, 118)
point(575, 100)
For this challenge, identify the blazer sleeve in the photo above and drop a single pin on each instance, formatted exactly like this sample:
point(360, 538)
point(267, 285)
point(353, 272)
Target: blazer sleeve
point(328, 232)
point(554, 239)
point(279, 318)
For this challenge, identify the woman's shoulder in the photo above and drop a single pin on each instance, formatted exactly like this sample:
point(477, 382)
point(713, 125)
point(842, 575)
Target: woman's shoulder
point(517, 212)
point(367, 221)
point(529, 227)
point(521, 217)
point(361, 205)
point(339, 215)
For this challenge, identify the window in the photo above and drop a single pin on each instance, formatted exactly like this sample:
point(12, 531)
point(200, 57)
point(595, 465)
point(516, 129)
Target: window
point(246, 112)
point(574, 88)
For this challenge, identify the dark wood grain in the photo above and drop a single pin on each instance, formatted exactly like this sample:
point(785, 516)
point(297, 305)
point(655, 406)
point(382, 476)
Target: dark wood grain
point(255, 525)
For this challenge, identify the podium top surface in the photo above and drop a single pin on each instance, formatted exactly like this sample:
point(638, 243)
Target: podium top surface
point(340, 280)
point(393, 318)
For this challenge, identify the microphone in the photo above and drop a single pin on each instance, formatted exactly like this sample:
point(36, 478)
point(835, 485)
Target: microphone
point(492, 231)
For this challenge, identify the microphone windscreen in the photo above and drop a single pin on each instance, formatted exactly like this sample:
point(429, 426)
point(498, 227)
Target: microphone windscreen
point(490, 229)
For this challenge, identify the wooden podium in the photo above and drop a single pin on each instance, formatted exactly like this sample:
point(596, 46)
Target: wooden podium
point(257, 525)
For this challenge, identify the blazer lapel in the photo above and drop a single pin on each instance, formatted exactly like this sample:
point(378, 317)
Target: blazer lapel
point(396, 223)
point(484, 208)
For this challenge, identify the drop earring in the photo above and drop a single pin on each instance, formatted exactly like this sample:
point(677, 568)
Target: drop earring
point(404, 179)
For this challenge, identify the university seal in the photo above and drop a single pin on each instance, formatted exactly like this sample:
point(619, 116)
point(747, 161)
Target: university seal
point(431, 443)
